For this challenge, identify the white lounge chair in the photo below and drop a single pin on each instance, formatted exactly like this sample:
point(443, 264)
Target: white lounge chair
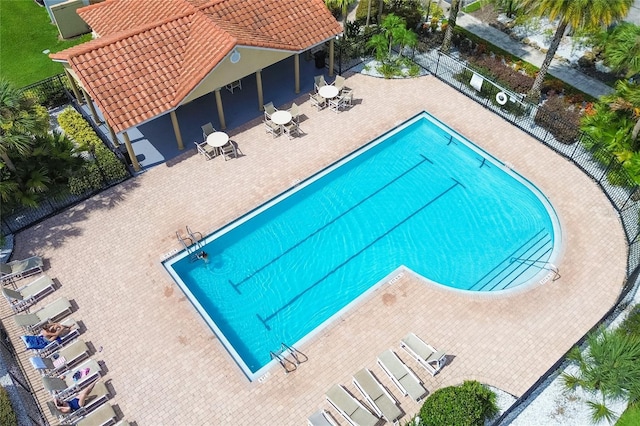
point(23, 297)
point(62, 359)
point(350, 408)
point(377, 396)
point(98, 396)
point(321, 418)
point(20, 268)
point(426, 355)
point(51, 312)
point(73, 380)
point(103, 416)
point(401, 376)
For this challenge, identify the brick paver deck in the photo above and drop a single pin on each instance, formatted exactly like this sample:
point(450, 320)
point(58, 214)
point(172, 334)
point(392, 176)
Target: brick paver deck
point(168, 368)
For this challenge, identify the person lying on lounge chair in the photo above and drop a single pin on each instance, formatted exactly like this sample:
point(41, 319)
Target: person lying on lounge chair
point(53, 330)
point(76, 403)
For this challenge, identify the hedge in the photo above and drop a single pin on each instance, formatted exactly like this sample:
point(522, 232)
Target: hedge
point(103, 167)
point(7, 415)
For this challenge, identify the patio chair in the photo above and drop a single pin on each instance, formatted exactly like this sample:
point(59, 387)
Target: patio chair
point(269, 109)
point(317, 100)
point(272, 127)
point(291, 128)
point(23, 297)
point(336, 104)
point(377, 396)
point(347, 96)
point(102, 416)
point(295, 112)
point(98, 396)
point(51, 312)
point(234, 85)
point(61, 360)
point(207, 129)
point(207, 150)
point(321, 418)
point(228, 149)
point(319, 81)
point(339, 83)
point(350, 408)
point(401, 376)
point(44, 347)
point(426, 355)
point(20, 268)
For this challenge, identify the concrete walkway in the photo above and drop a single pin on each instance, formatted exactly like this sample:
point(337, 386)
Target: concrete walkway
point(557, 69)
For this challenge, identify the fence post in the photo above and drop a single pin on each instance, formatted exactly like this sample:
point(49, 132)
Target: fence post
point(438, 63)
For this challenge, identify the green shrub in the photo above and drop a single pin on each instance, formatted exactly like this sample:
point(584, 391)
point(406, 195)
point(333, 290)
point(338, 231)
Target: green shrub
point(7, 415)
point(103, 165)
point(631, 324)
point(469, 404)
point(560, 120)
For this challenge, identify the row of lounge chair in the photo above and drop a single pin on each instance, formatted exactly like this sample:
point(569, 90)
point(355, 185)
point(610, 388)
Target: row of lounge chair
point(382, 405)
point(64, 363)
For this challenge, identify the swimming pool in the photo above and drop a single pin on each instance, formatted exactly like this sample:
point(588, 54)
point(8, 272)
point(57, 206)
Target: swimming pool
point(419, 196)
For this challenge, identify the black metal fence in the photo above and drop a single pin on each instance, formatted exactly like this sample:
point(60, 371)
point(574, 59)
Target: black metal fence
point(51, 92)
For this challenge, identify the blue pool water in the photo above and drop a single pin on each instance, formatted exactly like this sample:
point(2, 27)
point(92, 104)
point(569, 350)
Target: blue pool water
point(420, 196)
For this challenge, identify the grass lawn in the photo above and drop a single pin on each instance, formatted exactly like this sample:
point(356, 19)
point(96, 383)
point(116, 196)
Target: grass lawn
point(25, 31)
point(631, 416)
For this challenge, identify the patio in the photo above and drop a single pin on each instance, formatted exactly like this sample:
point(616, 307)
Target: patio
point(167, 367)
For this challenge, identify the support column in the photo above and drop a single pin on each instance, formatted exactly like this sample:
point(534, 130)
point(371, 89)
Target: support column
point(223, 125)
point(91, 107)
point(296, 71)
point(74, 86)
point(176, 129)
point(132, 155)
point(331, 55)
point(114, 138)
point(260, 96)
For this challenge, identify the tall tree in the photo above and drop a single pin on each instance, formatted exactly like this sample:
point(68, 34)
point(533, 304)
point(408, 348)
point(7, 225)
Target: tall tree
point(627, 98)
point(451, 24)
point(343, 5)
point(575, 13)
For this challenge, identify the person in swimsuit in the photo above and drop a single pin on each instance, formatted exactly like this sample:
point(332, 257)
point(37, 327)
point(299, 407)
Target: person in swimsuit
point(53, 330)
point(76, 403)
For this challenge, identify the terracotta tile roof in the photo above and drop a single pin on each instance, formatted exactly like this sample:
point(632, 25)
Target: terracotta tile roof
point(151, 55)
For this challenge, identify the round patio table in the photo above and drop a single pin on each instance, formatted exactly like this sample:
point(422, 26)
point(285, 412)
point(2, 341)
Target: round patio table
point(328, 92)
point(217, 139)
point(281, 117)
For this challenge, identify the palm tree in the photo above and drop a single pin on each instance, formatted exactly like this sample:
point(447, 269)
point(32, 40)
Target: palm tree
point(622, 50)
point(574, 13)
point(609, 368)
point(343, 5)
point(17, 123)
point(627, 98)
point(451, 24)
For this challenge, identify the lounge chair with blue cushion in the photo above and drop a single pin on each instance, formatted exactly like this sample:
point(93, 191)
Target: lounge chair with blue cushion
point(20, 268)
point(350, 408)
point(401, 376)
point(426, 355)
point(51, 312)
point(23, 297)
point(103, 416)
point(321, 418)
point(44, 347)
point(377, 396)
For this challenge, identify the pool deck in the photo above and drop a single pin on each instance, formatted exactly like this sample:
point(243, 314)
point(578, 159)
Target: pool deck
point(165, 365)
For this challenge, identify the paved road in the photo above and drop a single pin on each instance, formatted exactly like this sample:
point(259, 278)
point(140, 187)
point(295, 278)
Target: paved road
point(557, 69)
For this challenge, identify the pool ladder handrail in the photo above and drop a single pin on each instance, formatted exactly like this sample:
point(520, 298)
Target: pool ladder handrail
point(285, 362)
point(553, 268)
point(195, 243)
